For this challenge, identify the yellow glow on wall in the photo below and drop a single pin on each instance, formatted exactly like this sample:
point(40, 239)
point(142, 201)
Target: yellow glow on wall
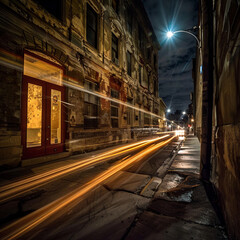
point(36, 68)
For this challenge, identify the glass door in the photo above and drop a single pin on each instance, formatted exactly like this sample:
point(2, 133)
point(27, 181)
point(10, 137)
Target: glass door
point(55, 115)
point(42, 108)
point(33, 117)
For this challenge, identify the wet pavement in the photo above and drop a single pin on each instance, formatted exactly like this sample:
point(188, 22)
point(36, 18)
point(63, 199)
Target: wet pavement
point(161, 197)
point(180, 208)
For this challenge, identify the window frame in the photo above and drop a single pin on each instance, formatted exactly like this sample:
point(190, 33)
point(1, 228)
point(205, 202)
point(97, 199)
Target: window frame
point(116, 51)
point(91, 11)
point(114, 94)
point(88, 117)
point(129, 63)
point(140, 77)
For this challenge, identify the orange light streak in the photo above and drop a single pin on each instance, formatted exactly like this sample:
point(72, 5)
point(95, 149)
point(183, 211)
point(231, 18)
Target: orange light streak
point(12, 190)
point(20, 227)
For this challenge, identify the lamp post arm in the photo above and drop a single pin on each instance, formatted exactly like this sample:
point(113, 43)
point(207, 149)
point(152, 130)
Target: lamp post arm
point(183, 31)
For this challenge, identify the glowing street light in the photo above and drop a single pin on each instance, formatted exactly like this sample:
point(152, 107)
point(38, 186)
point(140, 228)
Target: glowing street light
point(170, 34)
point(169, 110)
point(184, 113)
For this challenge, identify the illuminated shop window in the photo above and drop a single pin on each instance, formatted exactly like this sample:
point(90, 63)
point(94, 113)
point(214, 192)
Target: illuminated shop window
point(34, 115)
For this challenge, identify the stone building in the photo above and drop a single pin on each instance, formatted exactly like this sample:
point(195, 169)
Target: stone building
point(75, 76)
point(217, 104)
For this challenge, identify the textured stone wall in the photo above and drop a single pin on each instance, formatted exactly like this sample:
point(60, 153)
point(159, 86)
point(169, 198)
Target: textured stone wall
point(226, 172)
point(224, 165)
point(27, 25)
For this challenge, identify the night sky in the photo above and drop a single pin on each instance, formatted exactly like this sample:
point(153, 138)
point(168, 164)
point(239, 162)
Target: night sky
point(175, 56)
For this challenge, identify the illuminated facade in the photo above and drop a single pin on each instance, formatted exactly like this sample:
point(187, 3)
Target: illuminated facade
point(76, 76)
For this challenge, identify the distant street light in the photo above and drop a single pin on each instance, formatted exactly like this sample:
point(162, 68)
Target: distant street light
point(184, 113)
point(169, 110)
point(170, 34)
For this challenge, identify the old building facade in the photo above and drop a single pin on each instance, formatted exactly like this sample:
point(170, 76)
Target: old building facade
point(217, 104)
point(75, 76)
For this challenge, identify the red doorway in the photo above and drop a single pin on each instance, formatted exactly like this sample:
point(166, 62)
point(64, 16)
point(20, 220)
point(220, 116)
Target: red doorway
point(42, 108)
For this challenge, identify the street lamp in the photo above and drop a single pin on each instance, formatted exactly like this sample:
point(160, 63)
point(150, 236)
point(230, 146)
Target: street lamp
point(184, 113)
point(170, 34)
point(169, 110)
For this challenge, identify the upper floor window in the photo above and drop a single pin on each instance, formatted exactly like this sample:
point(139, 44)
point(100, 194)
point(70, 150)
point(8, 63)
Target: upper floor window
point(114, 49)
point(155, 88)
point(140, 74)
point(115, 5)
point(92, 26)
point(129, 63)
point(140, 37)
point(54, 7)
point(129, 20)
point(148, 79)
point(155, 61)
point(149, 54)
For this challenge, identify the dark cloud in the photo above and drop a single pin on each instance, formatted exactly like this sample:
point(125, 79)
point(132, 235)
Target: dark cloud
point(175, 56)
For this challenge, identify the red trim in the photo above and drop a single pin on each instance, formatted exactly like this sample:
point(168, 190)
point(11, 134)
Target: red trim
point(46, 147)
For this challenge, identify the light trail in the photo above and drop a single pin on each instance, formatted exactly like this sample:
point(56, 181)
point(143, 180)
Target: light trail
point(22, 226)
point(15, 62)
point(12, 190)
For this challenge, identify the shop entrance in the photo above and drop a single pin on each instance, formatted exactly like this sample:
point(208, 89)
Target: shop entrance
point(42, 108)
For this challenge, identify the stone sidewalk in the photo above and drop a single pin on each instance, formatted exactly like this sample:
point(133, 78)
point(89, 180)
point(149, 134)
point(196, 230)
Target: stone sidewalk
point(180, 208)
